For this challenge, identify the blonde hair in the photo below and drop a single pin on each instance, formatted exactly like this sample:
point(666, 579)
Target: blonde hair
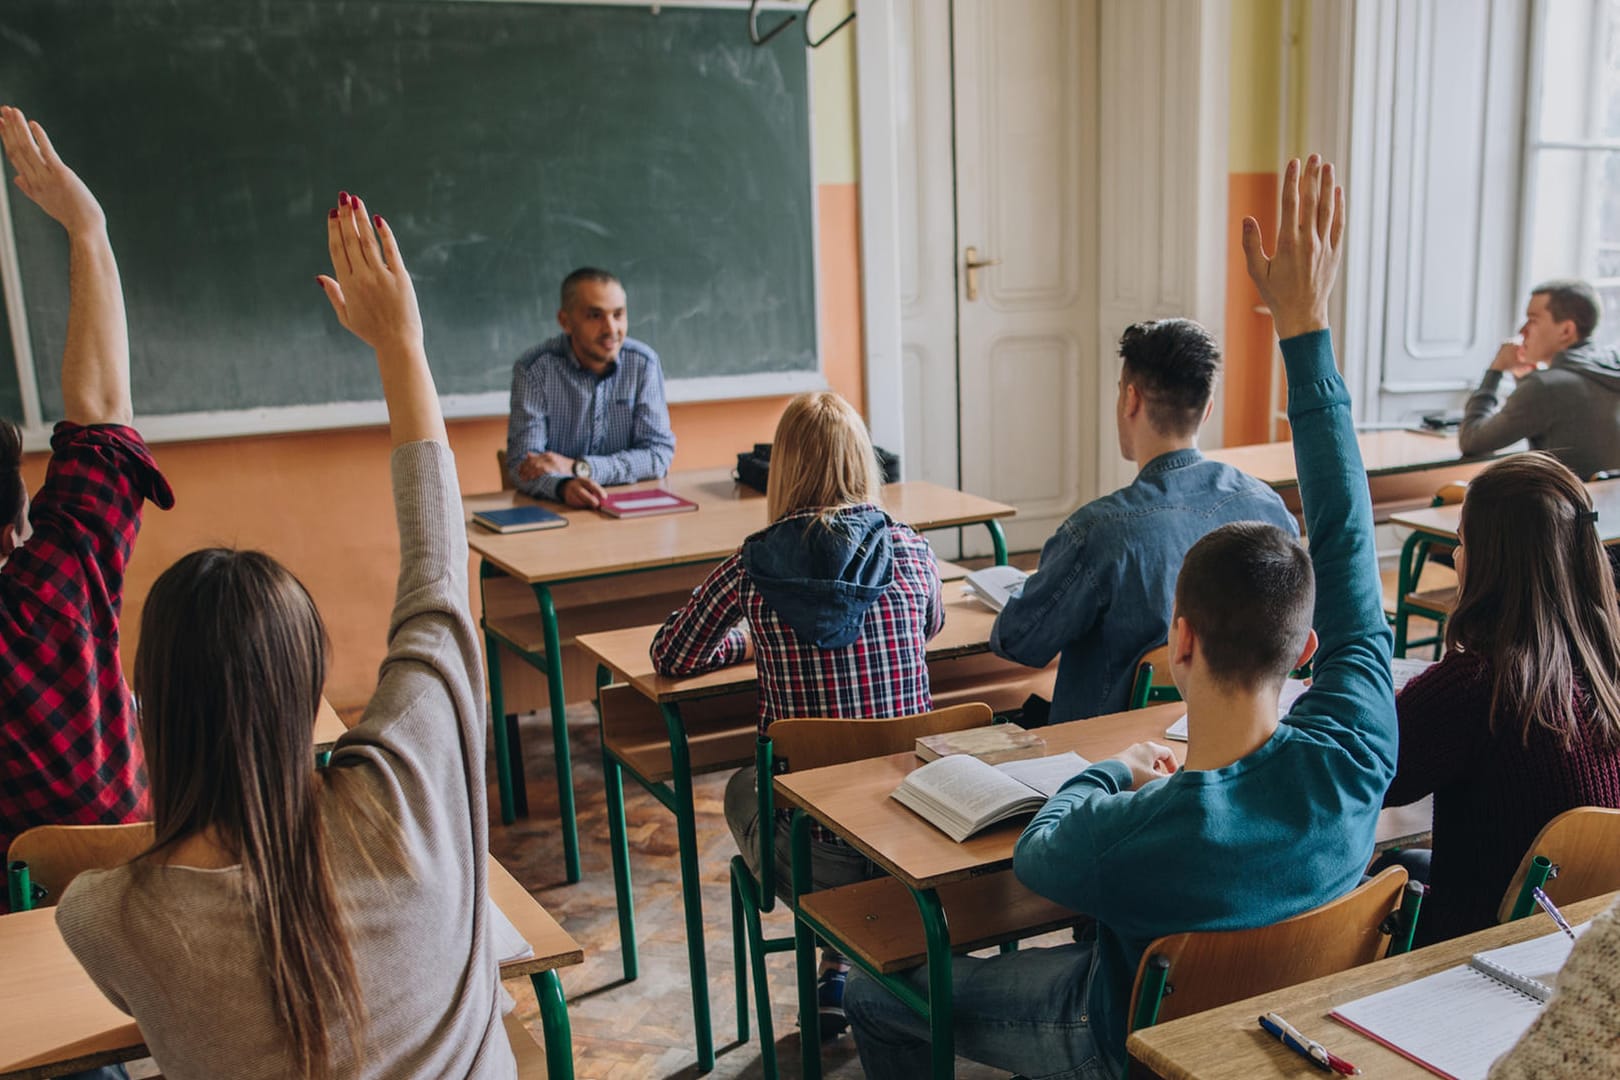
point(822, 458)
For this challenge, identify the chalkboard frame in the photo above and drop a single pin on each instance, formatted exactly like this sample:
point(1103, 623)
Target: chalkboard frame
point(279, 419)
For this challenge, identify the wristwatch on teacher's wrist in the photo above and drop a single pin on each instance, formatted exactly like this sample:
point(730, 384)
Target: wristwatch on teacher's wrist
point(582, 469)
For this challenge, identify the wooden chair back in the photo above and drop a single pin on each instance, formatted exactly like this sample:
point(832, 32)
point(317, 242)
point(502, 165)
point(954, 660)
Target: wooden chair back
point(1153, 682)
point(507, 484)
point(1452, 493)
point(1583, 846)
point(56, 854)
point(811, 743)
point(1213, 968)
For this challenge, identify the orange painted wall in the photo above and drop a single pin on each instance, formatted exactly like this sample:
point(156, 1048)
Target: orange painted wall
point(319, 501)
point(1250, 338)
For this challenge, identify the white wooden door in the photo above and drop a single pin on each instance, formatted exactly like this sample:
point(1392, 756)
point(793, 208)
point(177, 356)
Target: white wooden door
point(1025, 126)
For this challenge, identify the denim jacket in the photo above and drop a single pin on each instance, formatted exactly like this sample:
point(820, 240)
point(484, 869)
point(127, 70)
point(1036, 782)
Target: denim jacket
point(1106, 584)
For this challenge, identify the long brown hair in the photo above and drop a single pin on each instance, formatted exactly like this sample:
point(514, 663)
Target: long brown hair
point(821, 458)
point(229, 672)
point(1537, 598)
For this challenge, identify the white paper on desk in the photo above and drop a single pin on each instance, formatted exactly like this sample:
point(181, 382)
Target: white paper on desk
point(509, 945)
point(1046, 774)
point(1406, 668)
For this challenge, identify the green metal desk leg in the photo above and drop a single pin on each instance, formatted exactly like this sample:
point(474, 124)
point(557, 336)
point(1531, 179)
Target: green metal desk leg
point(691, 884)
point(804, 949)
point(497, 728)
point(999, 540)
point(618, 842)
point(942, 1035)
point(559, 733)
point(1404, 587)
point(554, 1023)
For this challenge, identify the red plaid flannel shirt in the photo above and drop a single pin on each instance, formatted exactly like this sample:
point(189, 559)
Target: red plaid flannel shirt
point(880, 674)
point(71, 754)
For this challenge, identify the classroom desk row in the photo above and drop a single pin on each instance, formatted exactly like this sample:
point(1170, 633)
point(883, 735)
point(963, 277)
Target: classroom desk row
point(54, 1020)
point(594, 546)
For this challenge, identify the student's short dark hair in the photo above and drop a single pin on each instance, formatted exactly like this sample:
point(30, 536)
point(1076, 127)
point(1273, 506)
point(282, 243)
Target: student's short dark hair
point(1247, 590)
point(1572, 300)
point(1174, 364)
point(13, 495)
point(573, 281)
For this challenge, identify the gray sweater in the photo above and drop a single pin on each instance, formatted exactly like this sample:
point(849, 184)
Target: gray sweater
point(1575, 1036)
point(1571, 409)
point(174, 947)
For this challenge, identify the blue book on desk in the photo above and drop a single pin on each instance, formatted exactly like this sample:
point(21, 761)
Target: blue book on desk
point(519, 519)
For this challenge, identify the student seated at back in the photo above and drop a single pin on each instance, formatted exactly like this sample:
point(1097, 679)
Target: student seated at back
point(1520, 720)
point(67, 722)
point(1268, 818)
point(294, 922)
point(1102, 596)
point(836, 599)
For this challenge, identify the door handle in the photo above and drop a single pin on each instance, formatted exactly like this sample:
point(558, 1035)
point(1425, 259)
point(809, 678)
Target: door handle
point(973, 264)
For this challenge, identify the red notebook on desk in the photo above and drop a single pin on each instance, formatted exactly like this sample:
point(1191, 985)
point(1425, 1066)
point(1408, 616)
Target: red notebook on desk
point(634, 504)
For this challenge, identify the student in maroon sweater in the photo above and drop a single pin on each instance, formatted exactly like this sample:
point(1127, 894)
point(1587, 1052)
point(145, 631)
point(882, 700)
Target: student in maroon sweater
point(1521, 719)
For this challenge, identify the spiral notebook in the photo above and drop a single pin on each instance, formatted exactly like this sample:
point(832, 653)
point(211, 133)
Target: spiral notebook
point(1456, 1022)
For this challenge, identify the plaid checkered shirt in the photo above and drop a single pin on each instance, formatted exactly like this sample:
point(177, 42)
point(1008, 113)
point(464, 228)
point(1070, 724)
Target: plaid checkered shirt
point(71, 755)
point(882, 673)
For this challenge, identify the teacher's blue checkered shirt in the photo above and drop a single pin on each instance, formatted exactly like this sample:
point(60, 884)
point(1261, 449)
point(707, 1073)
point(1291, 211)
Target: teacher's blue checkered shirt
point(619, 423)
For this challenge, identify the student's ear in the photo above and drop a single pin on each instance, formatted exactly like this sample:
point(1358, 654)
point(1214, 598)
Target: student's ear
point(1567, 333)
point(1131, 399)
point(1209, 410)
point(1308, 651)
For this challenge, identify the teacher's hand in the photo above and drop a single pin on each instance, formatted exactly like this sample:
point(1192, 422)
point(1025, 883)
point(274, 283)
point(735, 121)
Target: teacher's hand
point(585, 494)
point(369, 289)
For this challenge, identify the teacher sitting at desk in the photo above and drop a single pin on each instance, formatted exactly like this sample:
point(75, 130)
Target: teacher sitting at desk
point(588, 405)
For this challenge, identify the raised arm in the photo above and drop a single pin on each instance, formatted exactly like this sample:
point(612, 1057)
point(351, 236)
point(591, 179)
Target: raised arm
point(1352, 687)
point(371, 293)
point(95, 362)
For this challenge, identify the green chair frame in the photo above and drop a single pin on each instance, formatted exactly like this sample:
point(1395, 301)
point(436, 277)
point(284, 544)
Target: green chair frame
point(1414, 557)
point(1144, 693)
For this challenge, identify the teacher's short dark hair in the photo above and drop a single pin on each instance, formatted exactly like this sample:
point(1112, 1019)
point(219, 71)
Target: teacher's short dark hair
point(1174, 364)
point(1248, 591)
point(573, 281)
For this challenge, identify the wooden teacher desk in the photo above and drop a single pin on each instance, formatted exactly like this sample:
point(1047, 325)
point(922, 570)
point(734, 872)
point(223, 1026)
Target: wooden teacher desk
point(1227, 1043)
point(53, 1020)
point(594, 546)
point(853, 800)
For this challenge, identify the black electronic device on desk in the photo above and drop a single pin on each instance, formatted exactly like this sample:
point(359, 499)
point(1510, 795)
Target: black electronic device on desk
point(754, 466)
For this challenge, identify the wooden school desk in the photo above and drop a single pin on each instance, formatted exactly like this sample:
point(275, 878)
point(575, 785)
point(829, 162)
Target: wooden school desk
point(596, 546)
point(1227, 1043)
point(853, 800)
point(1404, 468)
point(1440, 523)
point(53, 1020)
point(960, 669)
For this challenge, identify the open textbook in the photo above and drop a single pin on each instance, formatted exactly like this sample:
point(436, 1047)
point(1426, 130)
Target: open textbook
point(1456, 1022)
point(1405, 669)
point(960, 795)
point(994, 585)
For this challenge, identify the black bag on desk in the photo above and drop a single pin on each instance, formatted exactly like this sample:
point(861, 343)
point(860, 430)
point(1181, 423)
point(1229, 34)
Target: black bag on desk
point(754, 466)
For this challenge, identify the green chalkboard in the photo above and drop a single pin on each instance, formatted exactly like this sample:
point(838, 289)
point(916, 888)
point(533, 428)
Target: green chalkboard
point(506, 143)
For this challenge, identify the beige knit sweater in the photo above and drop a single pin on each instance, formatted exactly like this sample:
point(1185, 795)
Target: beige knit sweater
point(1577, 1036)
point(175, 948)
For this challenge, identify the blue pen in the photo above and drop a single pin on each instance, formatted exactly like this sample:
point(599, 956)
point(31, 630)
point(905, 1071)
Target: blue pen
point(1552, 909)
point(1310, 1049)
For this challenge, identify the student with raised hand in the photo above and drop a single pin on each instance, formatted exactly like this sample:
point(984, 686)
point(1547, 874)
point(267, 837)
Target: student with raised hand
point(837, 602)
point(294, 922)
point(67, 721)
point(1520, 720)
point(1268, 818)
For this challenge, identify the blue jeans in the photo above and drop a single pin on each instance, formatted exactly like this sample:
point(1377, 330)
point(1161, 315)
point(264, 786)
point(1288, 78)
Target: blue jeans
point(1023, 1011)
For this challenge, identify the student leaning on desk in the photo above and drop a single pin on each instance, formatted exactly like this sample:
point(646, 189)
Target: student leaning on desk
point(289, 921)
point(1269, 818)
point(67, 722)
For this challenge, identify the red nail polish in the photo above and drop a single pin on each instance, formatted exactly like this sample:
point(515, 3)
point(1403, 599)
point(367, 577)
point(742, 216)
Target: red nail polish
point(376, 219)
point(319, 286)
point(332, 213)
point(343, 198)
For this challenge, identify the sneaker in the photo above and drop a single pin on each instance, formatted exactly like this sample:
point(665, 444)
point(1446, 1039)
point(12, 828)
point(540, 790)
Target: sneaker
point(830, 1003)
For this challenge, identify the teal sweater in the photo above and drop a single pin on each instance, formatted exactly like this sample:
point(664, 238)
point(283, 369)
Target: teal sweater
point(1286, 828)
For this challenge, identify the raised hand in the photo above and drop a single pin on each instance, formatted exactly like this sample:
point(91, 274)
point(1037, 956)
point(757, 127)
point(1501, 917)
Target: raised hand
point(1296, 281)
point(369, 289)
point(44, 178)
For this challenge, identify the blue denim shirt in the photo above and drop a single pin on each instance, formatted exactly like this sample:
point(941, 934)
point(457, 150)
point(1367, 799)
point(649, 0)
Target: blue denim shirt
point(617, 421)
point(1107, 579)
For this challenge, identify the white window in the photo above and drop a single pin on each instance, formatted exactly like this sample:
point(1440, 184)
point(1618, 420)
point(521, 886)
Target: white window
point(1571, 220)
